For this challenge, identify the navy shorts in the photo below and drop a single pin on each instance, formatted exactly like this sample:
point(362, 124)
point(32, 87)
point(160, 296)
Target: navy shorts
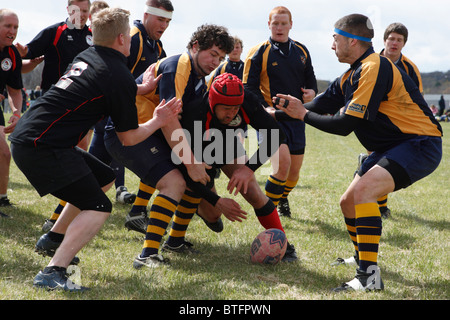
point(295, 136)
point(409, 161)
point(150, 160)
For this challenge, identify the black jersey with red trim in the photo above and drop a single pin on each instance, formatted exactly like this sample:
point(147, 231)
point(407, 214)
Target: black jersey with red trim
point(375, 90)
point(197, 119)
point(59, 44)
point(268, 70)
point(144, 51)
point(97, 84)
point(10, 69)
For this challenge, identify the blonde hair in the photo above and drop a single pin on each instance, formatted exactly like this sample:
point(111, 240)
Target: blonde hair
point(109, 23)
point(7, 12)
point(96, 6)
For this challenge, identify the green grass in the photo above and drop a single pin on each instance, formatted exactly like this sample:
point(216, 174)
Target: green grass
point(414, 249)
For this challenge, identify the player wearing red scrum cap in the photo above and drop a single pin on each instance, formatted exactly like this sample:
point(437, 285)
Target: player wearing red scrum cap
point(225, 110)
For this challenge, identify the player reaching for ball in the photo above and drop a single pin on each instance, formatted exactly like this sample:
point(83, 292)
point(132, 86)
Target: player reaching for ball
point(226, 109)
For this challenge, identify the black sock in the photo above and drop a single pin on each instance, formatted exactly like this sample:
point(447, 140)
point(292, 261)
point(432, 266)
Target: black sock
point(53, 268)
point(56, 237)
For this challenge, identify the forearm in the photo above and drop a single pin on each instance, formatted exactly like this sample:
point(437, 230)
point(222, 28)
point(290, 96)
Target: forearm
point(177, 140)
point(339, 124)
point(135, 136)
point(15, 99)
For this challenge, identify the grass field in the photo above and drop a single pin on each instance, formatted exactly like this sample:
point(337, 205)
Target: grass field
point(414, 250)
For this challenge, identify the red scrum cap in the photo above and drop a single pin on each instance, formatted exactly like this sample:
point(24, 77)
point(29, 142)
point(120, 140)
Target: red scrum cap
point(226, 89)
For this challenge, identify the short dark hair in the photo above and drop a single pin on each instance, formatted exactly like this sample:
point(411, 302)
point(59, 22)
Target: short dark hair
point(396, 27)
point(208, 35)
point(358, 25)
point(166, 4)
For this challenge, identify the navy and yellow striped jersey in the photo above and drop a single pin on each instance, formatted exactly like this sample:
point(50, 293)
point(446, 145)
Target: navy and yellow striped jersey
point(179, 80)
point(268, 71)
point(233, 67)
point(374, 89)
point(410, 68)
point(144, 51)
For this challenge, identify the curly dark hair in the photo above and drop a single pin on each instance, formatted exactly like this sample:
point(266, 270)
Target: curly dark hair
point(208, 35)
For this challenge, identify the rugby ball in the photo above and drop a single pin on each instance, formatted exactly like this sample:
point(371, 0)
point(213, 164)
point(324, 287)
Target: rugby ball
point(268, 247)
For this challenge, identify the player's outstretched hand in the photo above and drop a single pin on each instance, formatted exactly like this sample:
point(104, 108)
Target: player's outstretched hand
point(149, 80)
point(239, 180)
point(290, 105)
point(231, 209)
point(166, 112)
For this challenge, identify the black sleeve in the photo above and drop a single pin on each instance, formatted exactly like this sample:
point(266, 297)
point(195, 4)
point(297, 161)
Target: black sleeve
point(200, 189)
point(261, 121)
point(340, 124)
point(41, 42)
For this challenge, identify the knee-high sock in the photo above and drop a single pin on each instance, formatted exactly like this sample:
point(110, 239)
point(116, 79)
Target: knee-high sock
point(382, 202)
point(142, 198)
point(368, 233)
point(59, 208)
point(161, 213)
point(274, 189)
point(183, 216)
point(268, 216)
point(290, 184)
point(351, 229)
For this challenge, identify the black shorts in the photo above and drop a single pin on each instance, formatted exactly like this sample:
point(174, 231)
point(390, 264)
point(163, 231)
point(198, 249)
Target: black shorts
point(51, 169)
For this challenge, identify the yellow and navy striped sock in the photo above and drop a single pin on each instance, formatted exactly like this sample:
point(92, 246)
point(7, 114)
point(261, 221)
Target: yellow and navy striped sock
point(161, 213)
point(290, 184)
point(368, 233)
point(351, 229)
point(183, 216)
point(58, 210)
point(142, 198)
point(382, 202)
point(274, 189)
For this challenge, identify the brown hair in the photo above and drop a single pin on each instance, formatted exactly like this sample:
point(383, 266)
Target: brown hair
point(396, 27)
point(358, 25)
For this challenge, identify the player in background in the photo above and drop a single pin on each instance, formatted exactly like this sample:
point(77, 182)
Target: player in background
point(11, 80)
point(282, 65)
point(146, 48)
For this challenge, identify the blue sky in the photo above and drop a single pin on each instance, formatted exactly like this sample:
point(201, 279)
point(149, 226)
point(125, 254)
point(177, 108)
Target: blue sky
point(428, 23)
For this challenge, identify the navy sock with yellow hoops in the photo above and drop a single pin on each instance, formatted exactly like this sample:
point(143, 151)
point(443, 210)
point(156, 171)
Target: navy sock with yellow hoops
point(161, 213)
point(142, 199)
point(274, 189)
point(368, 233)
point(183, 216)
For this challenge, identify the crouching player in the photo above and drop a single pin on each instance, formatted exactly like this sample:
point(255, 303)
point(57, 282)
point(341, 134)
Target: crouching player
point(226, 109)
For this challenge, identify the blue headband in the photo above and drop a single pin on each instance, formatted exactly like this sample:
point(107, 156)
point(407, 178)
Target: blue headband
point(349, 35)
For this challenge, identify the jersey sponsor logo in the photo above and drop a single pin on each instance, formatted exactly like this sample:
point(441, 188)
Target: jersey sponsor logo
point(89, 40)
point(360, 108)
point(6, 64)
